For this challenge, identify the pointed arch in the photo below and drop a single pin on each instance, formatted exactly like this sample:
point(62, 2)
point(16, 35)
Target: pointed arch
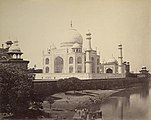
point(47, 61)
point(109, 70)
point(71, 60)
point(79, 60)
point(58, 65)
point(47, 70)
point(79, 69)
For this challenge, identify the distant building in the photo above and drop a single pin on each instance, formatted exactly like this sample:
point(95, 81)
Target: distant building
point(111, 66)
point(143, 72)
point(71, 60)
point(11, 54)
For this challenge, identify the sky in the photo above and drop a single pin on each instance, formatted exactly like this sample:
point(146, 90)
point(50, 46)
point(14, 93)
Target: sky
point(37, 24)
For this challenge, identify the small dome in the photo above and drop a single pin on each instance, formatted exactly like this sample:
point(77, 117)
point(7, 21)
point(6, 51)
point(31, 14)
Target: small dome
point(14, 48)
point(112, 60)
point(76, 45)
point(53, 47)
point(70, 37)
point(144, 67)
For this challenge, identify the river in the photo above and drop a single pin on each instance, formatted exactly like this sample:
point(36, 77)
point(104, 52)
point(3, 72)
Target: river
point(130, 104)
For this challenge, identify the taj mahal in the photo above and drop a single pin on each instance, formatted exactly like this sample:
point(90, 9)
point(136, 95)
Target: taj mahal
point(71, 60)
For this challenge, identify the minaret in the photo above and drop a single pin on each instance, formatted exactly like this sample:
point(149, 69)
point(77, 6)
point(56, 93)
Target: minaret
point(88, 54)
point(88, 37)
point(120, 59)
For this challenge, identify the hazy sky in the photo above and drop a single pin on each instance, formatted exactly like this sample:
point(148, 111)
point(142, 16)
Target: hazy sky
point(39, 23)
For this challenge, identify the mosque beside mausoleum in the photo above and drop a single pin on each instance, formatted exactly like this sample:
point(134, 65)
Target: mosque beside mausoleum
point(72, 60)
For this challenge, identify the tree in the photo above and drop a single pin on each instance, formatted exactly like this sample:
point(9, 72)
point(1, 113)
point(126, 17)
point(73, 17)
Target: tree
point(75, 83)
point(15, 89)
point(67, 84)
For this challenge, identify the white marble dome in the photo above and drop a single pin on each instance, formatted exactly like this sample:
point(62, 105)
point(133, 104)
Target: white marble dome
point(112, 60)
point(70, 37)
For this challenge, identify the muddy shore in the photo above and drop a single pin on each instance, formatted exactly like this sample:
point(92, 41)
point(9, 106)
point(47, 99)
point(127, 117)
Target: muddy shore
point(64, 107)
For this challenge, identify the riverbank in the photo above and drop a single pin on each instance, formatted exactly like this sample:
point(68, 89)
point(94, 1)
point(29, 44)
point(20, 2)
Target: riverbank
point(66, 103)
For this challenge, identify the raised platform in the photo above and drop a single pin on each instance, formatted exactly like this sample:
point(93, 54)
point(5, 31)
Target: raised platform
point(82, 76)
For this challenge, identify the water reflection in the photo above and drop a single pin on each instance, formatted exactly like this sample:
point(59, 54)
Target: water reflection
point(130, 104)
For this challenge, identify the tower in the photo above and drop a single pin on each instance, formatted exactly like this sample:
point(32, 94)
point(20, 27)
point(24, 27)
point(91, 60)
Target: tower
point(14, 51)
point(14, 54)
point(88, 37)
point(88, 54)
point(120, 70)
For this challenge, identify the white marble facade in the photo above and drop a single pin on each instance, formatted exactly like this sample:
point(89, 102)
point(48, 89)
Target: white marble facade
point(71, 60)
point(70, 57)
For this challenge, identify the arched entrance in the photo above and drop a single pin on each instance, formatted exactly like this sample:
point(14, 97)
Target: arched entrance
point(109, 70)
point(58, 65)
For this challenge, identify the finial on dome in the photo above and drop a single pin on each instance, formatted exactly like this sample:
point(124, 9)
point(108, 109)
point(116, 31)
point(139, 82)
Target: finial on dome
point(71, 24)
point(53, 47)
point(88, 33)
point(113, 57)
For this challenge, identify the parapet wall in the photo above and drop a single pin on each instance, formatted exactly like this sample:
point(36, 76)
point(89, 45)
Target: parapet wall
point(82, 76)
point(47, 88)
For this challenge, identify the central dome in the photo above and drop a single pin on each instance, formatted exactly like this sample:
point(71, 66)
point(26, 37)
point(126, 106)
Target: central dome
point(70, 37)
